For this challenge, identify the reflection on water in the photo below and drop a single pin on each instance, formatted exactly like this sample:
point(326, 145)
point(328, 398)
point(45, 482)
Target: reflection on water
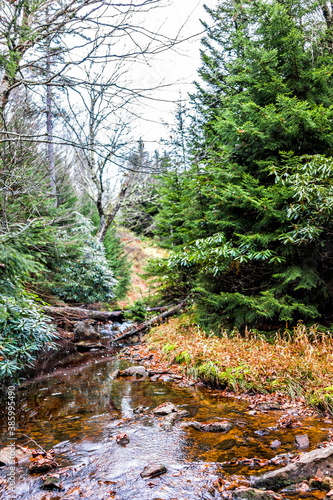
point(79, 411)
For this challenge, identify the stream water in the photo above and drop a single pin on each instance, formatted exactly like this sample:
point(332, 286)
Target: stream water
point(79, 411)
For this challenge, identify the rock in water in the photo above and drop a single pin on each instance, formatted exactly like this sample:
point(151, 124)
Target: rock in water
point(276, 444)
point(223, 426)
point(122, 439)
point(305, 468)
point(153, 471)
point(165, 409)
point(169, 421)
point(9, 455)
point(253, 494)
point(140, 409)
point(137, 371)
point(302, 441)
point(51, 483)
point(84, 331)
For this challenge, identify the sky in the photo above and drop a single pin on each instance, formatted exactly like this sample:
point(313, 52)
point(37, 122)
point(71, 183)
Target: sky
point(174, 69)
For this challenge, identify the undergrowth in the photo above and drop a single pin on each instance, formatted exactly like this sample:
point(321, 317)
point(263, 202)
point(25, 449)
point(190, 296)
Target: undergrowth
point(298, 363)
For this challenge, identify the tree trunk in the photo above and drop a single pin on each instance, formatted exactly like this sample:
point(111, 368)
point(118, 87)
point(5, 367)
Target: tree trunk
point(80, 314)
point(151, 322)
point(107, 219)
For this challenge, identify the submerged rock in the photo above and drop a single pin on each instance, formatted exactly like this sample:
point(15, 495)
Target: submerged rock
point(276, 444)
point(122, 439)
point(254, 494)
point(268, 406)
point(223, 426)
point(169, 421)
point(51, 483)
point(153, 471)
point(140, 409)
point(305, 468)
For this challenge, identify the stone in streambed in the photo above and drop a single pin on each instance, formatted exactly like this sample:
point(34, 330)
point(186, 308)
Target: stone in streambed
point(305, 468)
point(122, 439)
point(223, 426)
point(84, 331)
point(254, 494)
point(266, 406)
point(10, 455)
point(51, 483)
point(276, 444)
point(169, 421)
point(153, 470)
point(134, 371)
point(302, 441)
point(115, 374)
point(165, 409)
point(140, 409)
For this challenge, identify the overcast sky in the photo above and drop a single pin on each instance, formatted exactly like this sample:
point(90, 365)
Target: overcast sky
point(175, 68)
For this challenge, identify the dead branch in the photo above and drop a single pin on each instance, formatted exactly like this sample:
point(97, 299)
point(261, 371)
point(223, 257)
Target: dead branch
point(151, 322)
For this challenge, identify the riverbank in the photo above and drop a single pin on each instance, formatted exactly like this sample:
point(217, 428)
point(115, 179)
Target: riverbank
point(298, 366)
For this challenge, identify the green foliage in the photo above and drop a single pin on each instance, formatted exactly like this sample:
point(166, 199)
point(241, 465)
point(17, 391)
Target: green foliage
point(24, 330)
point(138, 312)
point(118, 262)
point(89, 278)
point(249, 222)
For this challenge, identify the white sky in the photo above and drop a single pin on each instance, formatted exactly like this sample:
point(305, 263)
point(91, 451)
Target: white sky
point(177, 68)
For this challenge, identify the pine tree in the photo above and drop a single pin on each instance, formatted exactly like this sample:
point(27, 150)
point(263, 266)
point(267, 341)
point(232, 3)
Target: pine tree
point(265, 107)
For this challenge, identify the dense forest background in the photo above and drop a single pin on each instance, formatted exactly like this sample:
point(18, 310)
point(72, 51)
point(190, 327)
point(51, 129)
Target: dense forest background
point(240, 192)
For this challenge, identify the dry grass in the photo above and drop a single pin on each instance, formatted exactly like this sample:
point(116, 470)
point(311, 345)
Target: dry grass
point(298, 364)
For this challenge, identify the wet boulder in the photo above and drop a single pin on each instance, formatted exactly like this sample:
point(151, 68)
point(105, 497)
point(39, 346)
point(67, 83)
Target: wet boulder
point(134, 371)
point(305, 468)
point(51, 483)
point(153, 470)
point(10, 455)
point(84, 331)
point(122, 439)
point(302, 441)
point(169, 421)
point(42, 462)
point(165, 409)
point(254, 494)
point(222, 426)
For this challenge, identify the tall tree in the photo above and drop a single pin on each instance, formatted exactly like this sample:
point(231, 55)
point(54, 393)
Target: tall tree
point(265, 103)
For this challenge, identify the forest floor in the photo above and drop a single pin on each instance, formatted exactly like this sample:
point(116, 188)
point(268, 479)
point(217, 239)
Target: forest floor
point(297, 366)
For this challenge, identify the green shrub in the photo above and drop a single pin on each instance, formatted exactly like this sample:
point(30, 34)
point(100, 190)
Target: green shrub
point(137, 313)
point(24, 330)
point(88, 277)
point(119, 263)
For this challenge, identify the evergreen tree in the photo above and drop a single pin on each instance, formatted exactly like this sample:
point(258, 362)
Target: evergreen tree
point(265, 108)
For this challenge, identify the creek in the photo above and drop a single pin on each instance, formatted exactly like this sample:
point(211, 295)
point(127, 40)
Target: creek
point(79, 410)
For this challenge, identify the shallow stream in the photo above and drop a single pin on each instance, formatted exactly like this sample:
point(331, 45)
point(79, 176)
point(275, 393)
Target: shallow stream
point(78, 411)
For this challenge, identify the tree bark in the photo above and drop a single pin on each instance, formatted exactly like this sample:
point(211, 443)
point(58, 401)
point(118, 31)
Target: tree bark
point(107, 219)
point(81, 314)
point(78, 313)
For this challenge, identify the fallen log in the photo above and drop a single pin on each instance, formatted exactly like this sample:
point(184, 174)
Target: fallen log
point(151, 322)
point(79, 313)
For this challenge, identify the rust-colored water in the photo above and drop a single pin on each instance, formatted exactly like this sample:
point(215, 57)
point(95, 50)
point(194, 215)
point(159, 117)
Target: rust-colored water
point(79, 411)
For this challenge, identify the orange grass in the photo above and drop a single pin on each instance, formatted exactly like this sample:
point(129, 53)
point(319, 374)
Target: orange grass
point(298, 364)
